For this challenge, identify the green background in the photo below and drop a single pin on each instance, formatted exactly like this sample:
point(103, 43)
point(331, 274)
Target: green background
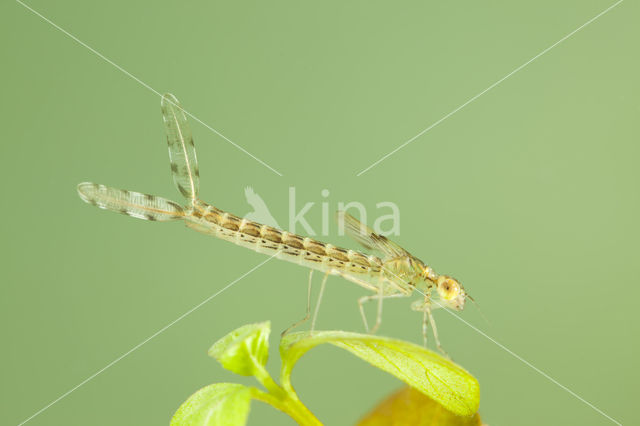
point(529, 195)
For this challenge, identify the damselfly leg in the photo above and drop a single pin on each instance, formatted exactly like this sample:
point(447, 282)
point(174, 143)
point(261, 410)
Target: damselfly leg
point(365, 299)
point(426, 308)
point(315, 312)
point(308, 314)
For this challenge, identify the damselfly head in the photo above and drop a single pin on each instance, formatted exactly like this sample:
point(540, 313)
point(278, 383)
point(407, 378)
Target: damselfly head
point(451, 292)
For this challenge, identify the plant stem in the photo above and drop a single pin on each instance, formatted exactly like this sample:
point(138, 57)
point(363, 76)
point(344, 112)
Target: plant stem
point(283, 400)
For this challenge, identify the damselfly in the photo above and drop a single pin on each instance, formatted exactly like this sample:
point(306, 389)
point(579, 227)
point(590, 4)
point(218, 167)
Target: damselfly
point(395, 273)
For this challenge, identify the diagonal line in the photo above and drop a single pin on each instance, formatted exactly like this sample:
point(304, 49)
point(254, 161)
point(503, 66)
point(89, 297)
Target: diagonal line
point(145, 85)
point(536, 369)
point(94, 375)
point(509, 351)
point(489, 88)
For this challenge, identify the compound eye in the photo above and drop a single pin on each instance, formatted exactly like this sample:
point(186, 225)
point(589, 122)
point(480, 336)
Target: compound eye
point(451, 288)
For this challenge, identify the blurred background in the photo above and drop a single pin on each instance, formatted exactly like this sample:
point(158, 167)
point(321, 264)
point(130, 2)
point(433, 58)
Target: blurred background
point(528, 195)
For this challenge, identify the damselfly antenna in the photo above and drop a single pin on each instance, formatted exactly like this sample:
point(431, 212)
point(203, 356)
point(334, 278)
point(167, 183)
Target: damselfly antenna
point(477, 307)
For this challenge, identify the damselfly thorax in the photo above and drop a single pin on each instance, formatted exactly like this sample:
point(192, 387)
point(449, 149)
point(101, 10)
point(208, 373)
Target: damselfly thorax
point(395, 273)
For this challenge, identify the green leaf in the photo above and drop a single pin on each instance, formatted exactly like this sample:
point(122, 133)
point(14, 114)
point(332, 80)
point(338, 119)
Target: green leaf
point(437, 377)
point(245, 350)
point(215, 405)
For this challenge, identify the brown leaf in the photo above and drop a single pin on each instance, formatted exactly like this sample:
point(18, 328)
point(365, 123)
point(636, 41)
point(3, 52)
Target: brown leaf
point(410, 407)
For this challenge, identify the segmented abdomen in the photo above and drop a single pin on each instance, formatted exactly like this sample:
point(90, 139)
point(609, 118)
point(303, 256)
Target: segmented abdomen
point(266, 239)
